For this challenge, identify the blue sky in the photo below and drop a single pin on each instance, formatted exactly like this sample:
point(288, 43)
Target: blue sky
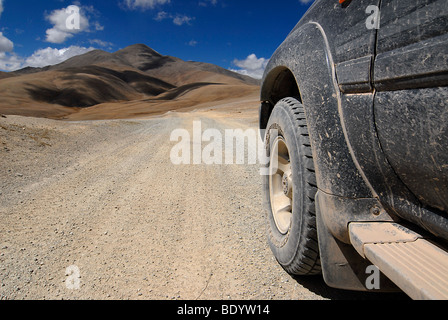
point(238, 35)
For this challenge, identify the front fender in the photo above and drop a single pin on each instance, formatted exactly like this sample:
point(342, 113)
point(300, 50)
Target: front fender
point(306, 55)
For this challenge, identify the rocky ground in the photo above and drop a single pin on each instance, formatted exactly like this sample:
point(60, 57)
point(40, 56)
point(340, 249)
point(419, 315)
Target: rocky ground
point(97, 210)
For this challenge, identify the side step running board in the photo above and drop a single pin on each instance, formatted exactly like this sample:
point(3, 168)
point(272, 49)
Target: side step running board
point(415, 265)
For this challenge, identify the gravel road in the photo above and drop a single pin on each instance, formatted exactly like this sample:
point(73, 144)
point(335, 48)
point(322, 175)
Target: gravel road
point(96, 210)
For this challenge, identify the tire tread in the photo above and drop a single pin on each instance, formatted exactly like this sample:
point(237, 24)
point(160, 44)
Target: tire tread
point(307, 259)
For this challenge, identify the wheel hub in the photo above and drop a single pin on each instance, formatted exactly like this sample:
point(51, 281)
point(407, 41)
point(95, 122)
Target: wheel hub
point(287, 184)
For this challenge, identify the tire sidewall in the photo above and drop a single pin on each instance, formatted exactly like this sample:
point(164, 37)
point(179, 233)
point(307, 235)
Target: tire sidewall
point(285, 246)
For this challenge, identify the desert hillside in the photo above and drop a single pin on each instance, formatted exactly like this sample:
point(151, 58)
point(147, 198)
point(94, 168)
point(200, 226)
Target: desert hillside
point(133, 82)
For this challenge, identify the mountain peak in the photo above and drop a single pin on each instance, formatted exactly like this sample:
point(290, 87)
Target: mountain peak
point(140, 56)
point(139, 48)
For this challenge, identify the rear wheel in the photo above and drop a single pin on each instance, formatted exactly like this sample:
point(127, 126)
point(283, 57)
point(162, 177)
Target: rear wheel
point(290, 189)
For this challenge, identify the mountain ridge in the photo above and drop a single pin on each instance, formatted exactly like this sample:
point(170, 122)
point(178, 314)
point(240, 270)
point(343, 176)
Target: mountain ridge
point(139, 56)
point(136, 76)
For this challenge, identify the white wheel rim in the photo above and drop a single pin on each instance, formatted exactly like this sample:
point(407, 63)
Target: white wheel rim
point(280, 185)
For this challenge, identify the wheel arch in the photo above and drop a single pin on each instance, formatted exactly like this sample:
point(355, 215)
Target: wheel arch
point(279, 83)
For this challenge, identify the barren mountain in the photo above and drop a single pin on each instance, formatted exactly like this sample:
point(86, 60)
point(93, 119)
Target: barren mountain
point(4, 75)
point(135, 81)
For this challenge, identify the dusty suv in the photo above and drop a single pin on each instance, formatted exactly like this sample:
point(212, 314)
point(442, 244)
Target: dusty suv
point(355, 107)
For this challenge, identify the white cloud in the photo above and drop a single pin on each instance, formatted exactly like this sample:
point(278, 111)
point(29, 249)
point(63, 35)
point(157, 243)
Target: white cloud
point(251, 66)
point(162, 15)
point(40, 58)
point(206, 3)
point(305, 1)
point(182, 19)
point(98, 26)
point(192, 43)
point(63, 25)
point(52, 56)
point(144, 4)
point(178, 19)
point(10, 61)
point(101, 43)
point(6, 45)
point(70, 21)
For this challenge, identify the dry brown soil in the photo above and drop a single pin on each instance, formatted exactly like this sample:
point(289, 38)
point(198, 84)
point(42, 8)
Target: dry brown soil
point(103, 196)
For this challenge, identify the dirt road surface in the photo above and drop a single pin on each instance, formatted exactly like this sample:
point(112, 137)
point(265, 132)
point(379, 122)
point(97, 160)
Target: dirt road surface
point(96, 210)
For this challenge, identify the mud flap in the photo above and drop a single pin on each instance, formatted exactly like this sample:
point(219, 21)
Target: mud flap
point(342, 266)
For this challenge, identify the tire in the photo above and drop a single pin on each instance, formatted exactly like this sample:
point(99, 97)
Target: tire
point(289, 190)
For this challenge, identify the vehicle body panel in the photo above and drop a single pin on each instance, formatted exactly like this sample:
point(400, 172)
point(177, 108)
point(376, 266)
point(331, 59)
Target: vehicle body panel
point(410, 78)
point(376, 104)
